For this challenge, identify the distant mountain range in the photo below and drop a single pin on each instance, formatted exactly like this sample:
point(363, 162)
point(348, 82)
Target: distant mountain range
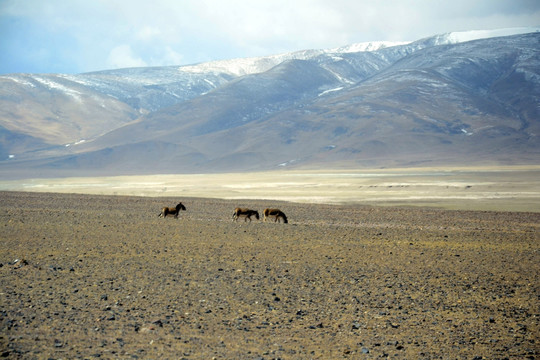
point(465, 98)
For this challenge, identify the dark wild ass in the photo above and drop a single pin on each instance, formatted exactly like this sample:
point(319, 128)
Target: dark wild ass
point(172, 211)
point(276, 214)
point(246, 213)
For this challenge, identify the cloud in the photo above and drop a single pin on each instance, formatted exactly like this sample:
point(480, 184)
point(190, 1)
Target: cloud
point(148, 33)
point(82, 35)
point(170, 57)
point(122, 56)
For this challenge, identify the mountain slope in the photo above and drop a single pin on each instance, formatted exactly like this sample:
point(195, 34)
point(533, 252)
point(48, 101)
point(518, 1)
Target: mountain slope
point(416, 103)
point(472, 102)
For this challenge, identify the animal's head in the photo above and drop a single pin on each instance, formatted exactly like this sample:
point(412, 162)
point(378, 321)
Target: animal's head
point(180, 206)
point(257, 215)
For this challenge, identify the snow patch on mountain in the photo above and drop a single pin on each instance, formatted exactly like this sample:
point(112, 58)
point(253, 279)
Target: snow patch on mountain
point(330, 90)
point(464, 36)
point(247, 66)
point(253, 65)
point(367, 46)
point(54, 85)
point(19, 80)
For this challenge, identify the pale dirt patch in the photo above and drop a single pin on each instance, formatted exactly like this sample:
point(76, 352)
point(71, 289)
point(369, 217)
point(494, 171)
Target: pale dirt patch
point(514, 188)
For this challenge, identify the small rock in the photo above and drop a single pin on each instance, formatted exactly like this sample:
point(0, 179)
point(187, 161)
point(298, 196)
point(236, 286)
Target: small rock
point(147, 329)
point(19, 263)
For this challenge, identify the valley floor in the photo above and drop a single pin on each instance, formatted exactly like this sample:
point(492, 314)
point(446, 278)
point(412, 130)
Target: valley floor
point(86, 276)
point(511, 188)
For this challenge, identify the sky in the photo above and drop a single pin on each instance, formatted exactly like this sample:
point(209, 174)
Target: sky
point(77, 36)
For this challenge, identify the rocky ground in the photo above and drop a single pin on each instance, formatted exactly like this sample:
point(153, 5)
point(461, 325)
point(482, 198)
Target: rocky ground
point(103, 277)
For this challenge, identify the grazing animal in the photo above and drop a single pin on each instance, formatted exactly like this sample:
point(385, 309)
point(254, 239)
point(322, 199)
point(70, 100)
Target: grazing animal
point(276, 214)
point(172, 211)
point(246, 213)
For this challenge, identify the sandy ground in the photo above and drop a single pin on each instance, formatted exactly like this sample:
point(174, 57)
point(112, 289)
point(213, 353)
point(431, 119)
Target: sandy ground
point(87, 276)
point(510, 188)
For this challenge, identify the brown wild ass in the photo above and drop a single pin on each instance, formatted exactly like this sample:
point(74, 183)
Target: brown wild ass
point(246, 213)
point(276, 214)
point(172, 211)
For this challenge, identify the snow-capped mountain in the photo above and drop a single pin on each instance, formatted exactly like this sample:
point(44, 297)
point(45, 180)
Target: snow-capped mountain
point(464, 36)
point(369, 104)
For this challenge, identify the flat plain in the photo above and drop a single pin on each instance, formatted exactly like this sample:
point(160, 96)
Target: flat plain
point(102, 276)
point(508, 188)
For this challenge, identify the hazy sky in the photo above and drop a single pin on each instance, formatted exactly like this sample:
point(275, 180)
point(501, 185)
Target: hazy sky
point(74, 36)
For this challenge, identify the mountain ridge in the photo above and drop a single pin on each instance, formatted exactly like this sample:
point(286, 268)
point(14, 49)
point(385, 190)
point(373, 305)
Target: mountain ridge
point(313, 108)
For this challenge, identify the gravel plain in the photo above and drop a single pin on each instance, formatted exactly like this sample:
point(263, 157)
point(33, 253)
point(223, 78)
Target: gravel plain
point(89, 276)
